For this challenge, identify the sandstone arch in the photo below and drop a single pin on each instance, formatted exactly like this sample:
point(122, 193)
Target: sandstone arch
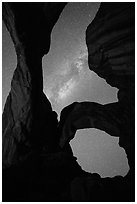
point(28, 113)
point(110, 40)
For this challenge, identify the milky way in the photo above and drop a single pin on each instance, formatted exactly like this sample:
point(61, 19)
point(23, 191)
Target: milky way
point(62, 84)
point(67, 78)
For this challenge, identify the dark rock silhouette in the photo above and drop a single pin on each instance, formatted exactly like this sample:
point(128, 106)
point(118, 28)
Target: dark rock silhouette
point(28, 118)
point(38, 163)
point(111, 54)
point(93, 188)
point(34, 166)
point(111, 46)
point(110, 40)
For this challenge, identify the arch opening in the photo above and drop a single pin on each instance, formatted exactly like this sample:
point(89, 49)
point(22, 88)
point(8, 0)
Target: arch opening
point(98, 152)
point(86, 85)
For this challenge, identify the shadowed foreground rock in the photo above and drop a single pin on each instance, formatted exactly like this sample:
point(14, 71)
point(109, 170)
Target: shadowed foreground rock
point(38, 161)
point(34, 166)
point(110, 40)
point(29, 124)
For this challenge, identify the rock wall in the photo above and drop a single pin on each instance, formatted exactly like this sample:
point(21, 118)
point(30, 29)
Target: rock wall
point(110, 40)
point(111, 54)
point(37, 159)
point(28, 119)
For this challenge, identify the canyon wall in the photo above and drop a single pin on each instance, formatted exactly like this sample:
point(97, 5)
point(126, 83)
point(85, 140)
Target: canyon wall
point(110, 40)
point(28, 119)
point(38, 162)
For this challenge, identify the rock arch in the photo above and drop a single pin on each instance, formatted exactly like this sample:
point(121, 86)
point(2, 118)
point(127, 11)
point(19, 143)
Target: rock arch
point(28, 114)
point(110, 41)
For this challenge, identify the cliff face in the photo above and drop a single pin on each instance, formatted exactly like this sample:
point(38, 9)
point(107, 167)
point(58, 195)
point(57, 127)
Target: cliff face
point(110, 40)
point(28, 118)
point(37, 159)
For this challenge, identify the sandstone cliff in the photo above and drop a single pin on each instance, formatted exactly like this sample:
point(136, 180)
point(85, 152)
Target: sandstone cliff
point(38, 161)
point(111, 54)
point(28, 117)
point(110, 40)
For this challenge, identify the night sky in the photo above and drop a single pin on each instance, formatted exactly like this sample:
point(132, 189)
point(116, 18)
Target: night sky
point(67, 78)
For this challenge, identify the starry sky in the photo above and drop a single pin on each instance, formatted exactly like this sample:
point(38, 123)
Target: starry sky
point(67, 78)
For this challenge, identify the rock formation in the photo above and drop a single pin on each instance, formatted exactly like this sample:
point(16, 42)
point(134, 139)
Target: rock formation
point(110, 40)
point(38, 161)
point(28, 117)
point(34, 166)
point(111, 47)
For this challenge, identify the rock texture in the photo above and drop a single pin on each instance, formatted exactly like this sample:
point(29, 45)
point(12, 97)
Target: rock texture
point(89, 115)
point(28, 118)
point(38, 161)
point(111, 47)
point(34, 166)
point(111, 44)
point(110, 40)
